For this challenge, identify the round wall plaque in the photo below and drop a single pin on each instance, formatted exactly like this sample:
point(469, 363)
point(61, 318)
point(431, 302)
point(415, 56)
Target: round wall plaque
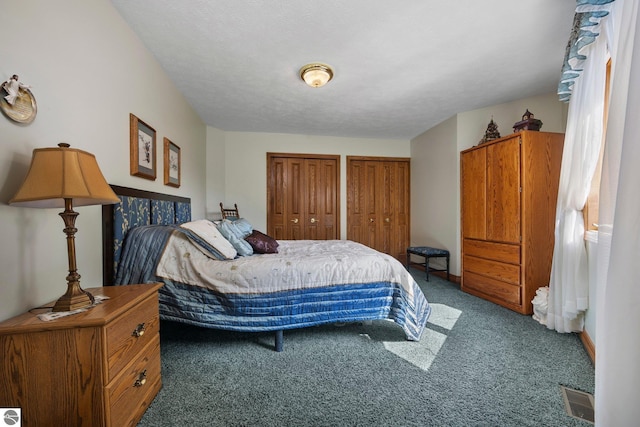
point(24, 108)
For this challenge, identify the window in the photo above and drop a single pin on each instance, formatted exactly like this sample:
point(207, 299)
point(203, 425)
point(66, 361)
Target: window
point(590, 211)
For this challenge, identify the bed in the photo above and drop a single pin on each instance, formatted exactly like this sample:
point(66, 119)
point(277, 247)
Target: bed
point(146, 239)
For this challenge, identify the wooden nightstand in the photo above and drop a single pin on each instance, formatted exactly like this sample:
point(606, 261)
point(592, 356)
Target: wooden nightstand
point(96, 368)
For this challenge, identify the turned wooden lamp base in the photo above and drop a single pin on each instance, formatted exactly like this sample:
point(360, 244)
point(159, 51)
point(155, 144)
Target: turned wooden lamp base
point(75, 297)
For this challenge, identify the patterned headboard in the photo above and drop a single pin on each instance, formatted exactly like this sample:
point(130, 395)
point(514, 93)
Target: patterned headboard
point(136, 207)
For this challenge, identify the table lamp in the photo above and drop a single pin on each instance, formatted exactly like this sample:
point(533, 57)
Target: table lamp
point(60, 178)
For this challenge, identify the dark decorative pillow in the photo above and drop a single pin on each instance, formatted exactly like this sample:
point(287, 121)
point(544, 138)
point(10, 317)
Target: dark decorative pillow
point(261, 243)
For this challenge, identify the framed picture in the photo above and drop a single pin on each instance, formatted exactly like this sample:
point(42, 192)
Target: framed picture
point(171, 163)
point(142, 147)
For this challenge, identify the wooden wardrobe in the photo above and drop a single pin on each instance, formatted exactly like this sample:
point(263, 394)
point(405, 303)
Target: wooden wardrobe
point(508, 204)
point(303, 196)
point(378, 205)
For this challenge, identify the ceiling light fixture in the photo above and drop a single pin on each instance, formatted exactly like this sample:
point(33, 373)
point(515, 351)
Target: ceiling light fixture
point(316, 74)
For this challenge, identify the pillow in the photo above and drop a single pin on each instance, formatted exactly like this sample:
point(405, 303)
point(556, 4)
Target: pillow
point(243, 226)
point(210, 235)
point(261, 243)
point(235, 232)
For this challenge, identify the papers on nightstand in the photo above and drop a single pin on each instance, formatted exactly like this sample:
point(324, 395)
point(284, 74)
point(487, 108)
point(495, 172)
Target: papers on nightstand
point(58, 314)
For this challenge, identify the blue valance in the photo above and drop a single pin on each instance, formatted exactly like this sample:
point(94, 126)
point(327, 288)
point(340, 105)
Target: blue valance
point(586, 28)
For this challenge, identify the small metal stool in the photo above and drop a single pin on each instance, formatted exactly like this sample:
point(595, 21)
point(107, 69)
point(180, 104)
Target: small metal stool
point(428, 252)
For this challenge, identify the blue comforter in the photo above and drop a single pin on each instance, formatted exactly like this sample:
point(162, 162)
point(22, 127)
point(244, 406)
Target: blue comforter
point(307, 283)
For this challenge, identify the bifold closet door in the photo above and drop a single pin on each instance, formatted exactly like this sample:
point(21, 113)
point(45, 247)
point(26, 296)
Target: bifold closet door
point(303, 196)
point(378, 203)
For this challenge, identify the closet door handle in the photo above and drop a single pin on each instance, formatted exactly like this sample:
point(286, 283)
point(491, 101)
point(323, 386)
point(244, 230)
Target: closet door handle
point(313, 220)
point(387, 220)
point(295, 220)
point(370, 219)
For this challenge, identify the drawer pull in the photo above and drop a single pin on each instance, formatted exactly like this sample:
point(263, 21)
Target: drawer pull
point(142, 378)
point(139, 330)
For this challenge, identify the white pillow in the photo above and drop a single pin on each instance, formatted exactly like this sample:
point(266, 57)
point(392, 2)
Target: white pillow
point(208, 232)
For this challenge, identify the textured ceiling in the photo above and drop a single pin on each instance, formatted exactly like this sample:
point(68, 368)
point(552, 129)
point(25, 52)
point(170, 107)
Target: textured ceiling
point(401, 67)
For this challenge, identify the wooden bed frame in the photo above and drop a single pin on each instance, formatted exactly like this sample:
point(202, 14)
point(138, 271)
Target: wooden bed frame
point(108, 237)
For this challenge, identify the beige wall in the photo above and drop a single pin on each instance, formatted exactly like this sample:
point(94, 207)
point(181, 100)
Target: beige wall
point(246, 166)
point(88, 71)
point(215, 172)
point(434, 199)
point(472, 124)
point(435, 168)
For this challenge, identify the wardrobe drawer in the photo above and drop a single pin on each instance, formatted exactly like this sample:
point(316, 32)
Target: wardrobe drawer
point(129, 334)
point(497, 270)
point(491, 250)
point(132, 391)
point(493, 288)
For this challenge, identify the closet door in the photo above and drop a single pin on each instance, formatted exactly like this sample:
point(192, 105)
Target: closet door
point(401, 204)
point(378, 204)
point(321, 201)
point(295, 193)
point(302, 196)
point(278, 175)
point(362, 195)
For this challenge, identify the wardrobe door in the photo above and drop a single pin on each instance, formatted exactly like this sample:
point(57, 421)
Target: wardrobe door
point(474, 194)
point(503, 191)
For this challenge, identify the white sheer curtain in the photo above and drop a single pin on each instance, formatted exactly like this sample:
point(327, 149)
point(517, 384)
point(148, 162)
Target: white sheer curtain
point(568, 285)
point(618, 311)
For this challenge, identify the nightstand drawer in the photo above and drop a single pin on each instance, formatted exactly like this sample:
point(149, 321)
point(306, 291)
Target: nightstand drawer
point(131, 393)
point(128, 335)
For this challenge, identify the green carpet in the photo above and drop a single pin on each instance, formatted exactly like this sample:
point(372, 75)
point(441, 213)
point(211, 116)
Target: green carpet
point(477, 364)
